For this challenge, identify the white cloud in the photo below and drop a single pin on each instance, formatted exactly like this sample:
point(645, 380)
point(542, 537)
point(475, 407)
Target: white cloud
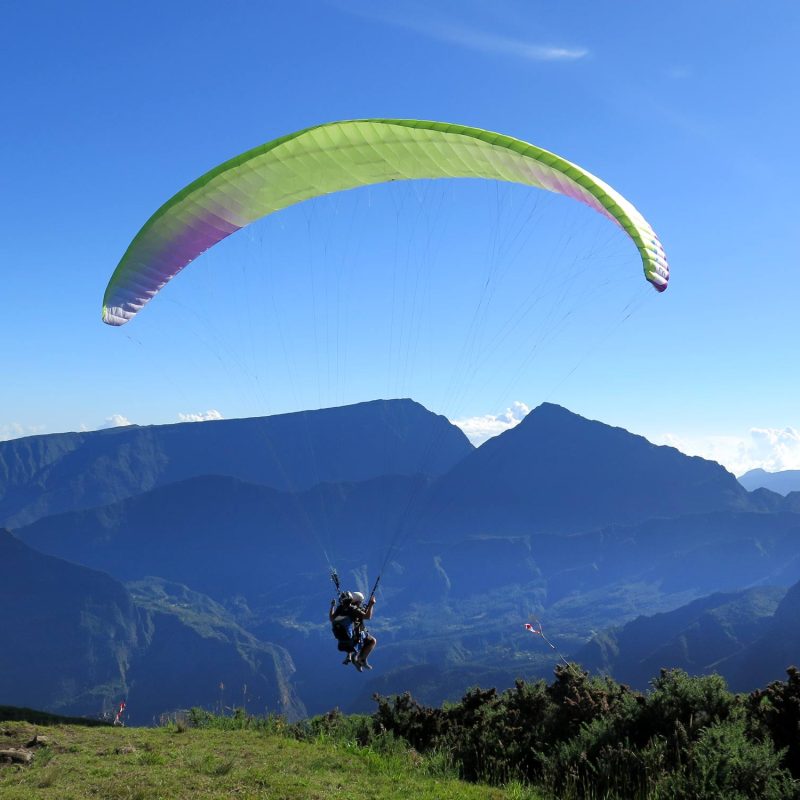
point(771, 449)
point(479, 429)
point(115, 421)
point(504, 45)
point(202, 416)
point(775, 449)
point(15, 430)
point(419, 18)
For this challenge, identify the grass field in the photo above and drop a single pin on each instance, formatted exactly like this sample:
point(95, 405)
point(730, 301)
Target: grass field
point(200, 763)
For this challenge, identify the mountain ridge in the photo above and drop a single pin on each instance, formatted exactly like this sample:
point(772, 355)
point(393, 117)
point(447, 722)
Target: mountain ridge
point(567, 519)
point(561, 472)
point(698, 637)
point(782, 482)
point(47, 474)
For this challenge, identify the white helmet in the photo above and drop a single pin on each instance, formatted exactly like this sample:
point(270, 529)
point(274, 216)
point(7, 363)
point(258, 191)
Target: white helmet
point(357, 597)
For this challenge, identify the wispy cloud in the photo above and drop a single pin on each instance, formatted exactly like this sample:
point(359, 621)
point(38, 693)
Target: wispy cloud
point(419, 18)
point(14, 430)
point(771, 449)
point(201, 416)
point(114, 421)
point(503, 45)
point(479, 429)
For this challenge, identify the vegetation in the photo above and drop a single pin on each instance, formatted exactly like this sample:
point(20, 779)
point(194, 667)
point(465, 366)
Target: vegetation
point(584, 737)
point(577, 738)
point(203, 756)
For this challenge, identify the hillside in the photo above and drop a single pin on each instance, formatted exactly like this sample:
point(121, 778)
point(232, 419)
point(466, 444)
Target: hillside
point(578, 737)
point(710, 634)
point(558, 472)
point(777, 642)
point(76, 641)
point(43, 475)
point(223, 536)
point(203, 764)
point(68, 633)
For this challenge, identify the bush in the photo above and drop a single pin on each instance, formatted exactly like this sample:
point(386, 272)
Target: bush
point(725, 763)
point(579, 737)
point(775, 714)
point(588, 737)
point(355, 728)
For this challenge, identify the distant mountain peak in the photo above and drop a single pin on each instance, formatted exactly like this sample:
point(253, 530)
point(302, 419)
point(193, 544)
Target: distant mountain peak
point(49, 474)
point(783, 482)
point(547, 407)
point(547, 413)
point(757, 472)
point(560, 471)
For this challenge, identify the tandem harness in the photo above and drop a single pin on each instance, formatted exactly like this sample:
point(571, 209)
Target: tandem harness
point(348, 628)
point(349, 634)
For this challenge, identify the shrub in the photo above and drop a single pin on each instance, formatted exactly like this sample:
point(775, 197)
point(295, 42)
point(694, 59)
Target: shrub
point(725, 763)
point(775, 713)
point(589, 737)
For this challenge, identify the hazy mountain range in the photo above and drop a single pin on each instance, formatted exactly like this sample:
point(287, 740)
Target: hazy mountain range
point(77, 641)
point(721, 632)
point(783, 482)
point(214, 540)
point(43, 475)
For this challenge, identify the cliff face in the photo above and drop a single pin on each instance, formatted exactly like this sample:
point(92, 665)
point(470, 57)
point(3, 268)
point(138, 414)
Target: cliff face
point(69, 633)
point(75, 641)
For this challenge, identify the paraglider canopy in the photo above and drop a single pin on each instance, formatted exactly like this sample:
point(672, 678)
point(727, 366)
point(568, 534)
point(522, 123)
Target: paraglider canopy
point(345, 155)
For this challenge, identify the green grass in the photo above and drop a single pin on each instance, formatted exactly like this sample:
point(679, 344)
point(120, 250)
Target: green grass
point(204, 763)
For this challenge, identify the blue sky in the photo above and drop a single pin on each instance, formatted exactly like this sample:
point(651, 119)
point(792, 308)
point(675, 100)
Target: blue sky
point(689, 109)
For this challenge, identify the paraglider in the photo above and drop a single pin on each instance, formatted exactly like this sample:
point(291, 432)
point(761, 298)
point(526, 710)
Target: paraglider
point(537, 630)
point(345, 155)
point(331, 158)
point(347, 616)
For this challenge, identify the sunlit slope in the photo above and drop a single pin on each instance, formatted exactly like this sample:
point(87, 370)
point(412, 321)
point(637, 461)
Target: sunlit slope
point(113, 763)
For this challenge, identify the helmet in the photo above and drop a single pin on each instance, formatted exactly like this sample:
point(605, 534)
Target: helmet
point(357, 597)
